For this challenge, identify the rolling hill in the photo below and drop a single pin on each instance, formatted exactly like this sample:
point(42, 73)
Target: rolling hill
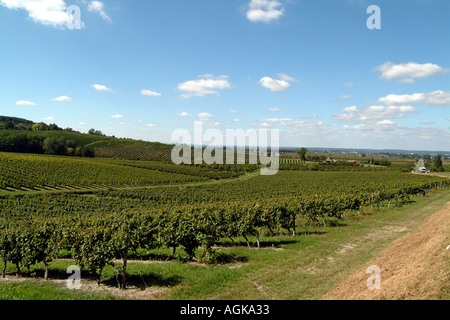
point(25, 136)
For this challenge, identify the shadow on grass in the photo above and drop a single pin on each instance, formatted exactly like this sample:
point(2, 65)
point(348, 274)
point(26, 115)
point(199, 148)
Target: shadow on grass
point(264, 243)
point(152, 256)
point(144, 281)
point(275, 241)
point(225, 258)
point(135, 280)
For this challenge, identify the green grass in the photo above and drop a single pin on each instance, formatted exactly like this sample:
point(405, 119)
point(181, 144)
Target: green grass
point(301, 267)
point(40, 290)
point(310, 267)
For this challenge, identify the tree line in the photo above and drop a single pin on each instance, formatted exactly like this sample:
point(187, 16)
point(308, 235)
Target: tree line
point(24, 143)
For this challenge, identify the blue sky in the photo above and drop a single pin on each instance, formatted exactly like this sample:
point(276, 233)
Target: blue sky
point(310, 68)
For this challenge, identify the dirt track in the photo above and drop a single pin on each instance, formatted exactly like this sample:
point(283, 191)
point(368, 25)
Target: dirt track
point(416, 266)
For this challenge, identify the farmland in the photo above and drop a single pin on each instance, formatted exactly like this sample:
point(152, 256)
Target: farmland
point(28, 171)
point(111, 216)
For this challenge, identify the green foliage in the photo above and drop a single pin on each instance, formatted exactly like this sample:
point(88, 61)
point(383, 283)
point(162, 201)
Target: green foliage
point(131, 149)
point(95, 132)
point(34, 171)
point(302, 153)
point(104, 226)
point(438, 163)
point(377, 162)
point(43, 141)
point(55, 146)
point(12, 122)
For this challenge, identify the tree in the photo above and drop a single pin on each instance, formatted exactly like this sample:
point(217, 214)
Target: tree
point(438, 162)
point(302, 153)
point(9, 125)
point(85, 152)
point(95, 132)
point(53, 145)
point(91, 246)
point(53, 126)
point(39, 127)
point(21, 126)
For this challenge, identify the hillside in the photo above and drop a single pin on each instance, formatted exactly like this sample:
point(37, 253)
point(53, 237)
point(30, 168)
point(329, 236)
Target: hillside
point(13, 121)
point(25, 136)
point(131, 149)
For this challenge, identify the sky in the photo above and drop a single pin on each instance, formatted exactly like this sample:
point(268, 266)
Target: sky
point(326, 73)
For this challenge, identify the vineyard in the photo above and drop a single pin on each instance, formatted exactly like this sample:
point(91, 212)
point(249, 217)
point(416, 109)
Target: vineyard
point(34, 172)
point(131, 149)
point(215, 171)
point(99, 228)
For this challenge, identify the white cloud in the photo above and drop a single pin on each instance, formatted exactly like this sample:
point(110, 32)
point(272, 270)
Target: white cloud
point(62, 99)
point(98, 7)
point(277, 119)
point(287, 122)
point(264, 10)
point(273, 109)
point(435, 98)
point(184, 114)
point(432, 137)
point(262, 125)
point(351, 109)
point(25, 103)
point(100, 87)
point(349, 84)
point(374, 113)
point(212, 124)
point(150, 93)
point(236, 120)
point(205, 86)
point(117, 116)
point(234, 111)
point(48, 119)
point(274, 84)
point(383, 134)
point(47, 12)
point(408, 72)
point(373, 128)
point(385, 122)
point(205, 116)
point(151, 125)
point(345, 97)
point(285, 77)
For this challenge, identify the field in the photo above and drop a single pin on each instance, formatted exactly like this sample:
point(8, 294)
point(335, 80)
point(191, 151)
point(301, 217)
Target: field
point(131, 149)
point(194, 232)
point(24, 172)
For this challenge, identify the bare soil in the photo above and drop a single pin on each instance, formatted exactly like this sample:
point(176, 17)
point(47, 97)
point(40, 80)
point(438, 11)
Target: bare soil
point(414, 267)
